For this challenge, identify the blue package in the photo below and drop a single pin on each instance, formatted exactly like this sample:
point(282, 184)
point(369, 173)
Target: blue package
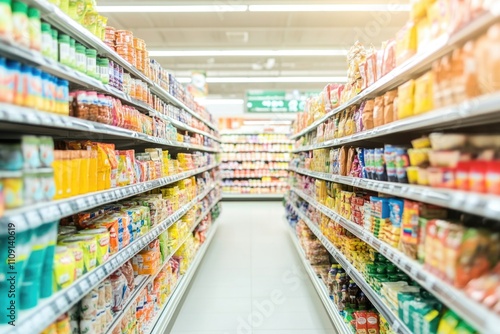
point(396, 208)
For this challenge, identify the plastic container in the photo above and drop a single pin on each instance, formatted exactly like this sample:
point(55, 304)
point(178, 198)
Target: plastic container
point(64, 47)
point(21, 235)
point(6, 28)
point(50, 237)
point(46, 40)
point(91, 63)
point(81, 58)
point(103, 64)
point(20, 23)
point(35, 29)
point(55, 44)
point(72, 53)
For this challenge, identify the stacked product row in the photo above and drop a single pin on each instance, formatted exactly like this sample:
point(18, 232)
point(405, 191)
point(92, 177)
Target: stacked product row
point(396, 172)
point(146, 108)
point(111, 200)
point(134, 295)
point(255, 164)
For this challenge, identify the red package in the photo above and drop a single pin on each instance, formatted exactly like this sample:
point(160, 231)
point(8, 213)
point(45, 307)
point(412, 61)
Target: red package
point(477, 176)
point(372, 322)
point(361, 325)
point(493, 177)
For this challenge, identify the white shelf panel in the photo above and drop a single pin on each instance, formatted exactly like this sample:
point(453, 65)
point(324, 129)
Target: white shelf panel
point(417, 64)
point(31, 216)
point(48, 310)
point(473, 112)
point(478, 204)
point(396, 324)
point(46, 122)
point(337, 320)
point(470, 310)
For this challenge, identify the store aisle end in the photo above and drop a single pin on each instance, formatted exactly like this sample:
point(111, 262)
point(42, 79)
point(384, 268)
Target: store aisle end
point(251, 280)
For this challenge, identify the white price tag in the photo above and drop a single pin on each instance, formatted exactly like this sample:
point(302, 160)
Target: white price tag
point(395, 326)
point(81, 204)
point(65, 209)
point(84, 286)
point(60, 305)
point(73, 294)
point(91, 201)
point(32, 218)
point(93, 280)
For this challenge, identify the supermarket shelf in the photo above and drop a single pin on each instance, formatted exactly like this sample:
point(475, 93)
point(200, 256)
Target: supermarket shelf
point(248, 160)
point(396, 324)
point(252, 177)
point(34, 215)
point(44, 123)
point(337, 320)
point(49, 309)
point(162, 321)
point(267, 143)
point(144, 280)
point(247, 151)
point(13, 51)
point(251, 133)
point(162, 93)
point(253, 169)
point(57, 18)
point(473, 112)
point(417, 64)
point(473, 312)
point(239, 197)
point(479, 204)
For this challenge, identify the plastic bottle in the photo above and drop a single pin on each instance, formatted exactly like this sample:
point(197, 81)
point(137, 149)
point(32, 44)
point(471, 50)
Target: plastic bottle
point(46, 40)
point(91, 62)
point(72, 53)
point(6, 28)
point(20, 23)
point(55, 45)
point(35, 29)
point(64, 49)
point(46, 284)
point(81, 58)
point(104, 70)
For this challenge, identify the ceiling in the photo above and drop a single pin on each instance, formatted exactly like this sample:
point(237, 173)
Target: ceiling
point(247, 30)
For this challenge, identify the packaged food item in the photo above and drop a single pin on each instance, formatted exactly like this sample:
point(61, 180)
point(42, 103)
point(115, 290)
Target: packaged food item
point(89, 246)
point(63, 268)
point(406, 94)
point(378, 112)
point(20, 23)
point(35, 29)
point(102, 238)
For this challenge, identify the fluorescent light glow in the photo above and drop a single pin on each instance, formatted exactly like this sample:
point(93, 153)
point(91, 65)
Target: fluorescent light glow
point(330, 8)
point(247, 53)
point(208, 102)
point(172, 9)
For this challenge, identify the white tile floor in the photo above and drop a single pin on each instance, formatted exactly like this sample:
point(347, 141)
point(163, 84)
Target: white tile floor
point(251, 280)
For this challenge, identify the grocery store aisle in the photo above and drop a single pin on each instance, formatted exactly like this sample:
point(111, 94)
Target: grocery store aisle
point(251, 280)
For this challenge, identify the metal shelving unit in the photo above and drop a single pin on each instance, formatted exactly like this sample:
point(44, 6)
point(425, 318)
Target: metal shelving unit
point(35, 215)
point(320, 288)
point(241, 197)
point(417, 64)
point(473, 112)
point(454, 298)
point(143, 281)
point(396, 324)
point(48, 310)
point(479, 204)
point(57, 18)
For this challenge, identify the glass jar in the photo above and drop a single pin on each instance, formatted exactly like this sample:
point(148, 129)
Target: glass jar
point(64, 49)
point(46, 40)
point(81, 58)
